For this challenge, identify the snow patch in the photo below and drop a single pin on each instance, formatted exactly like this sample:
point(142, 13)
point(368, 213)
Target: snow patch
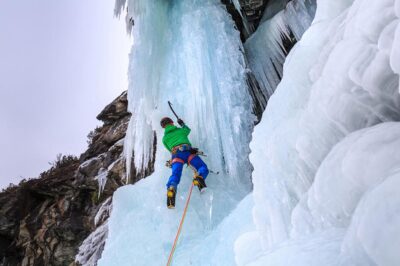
point(103, 212)
point(92, 247)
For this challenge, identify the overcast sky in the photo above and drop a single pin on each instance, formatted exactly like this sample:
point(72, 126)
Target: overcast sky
point(61, 62)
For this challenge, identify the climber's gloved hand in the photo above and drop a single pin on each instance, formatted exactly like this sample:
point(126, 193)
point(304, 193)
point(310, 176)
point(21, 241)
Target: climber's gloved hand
point(180, 122)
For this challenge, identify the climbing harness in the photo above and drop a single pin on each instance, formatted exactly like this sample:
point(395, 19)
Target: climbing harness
point(182, 147)
point(170, 162)
point(194, 151)
point(171, 254)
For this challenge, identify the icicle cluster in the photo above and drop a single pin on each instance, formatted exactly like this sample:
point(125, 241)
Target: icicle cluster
point(326, 178)
point(187, 52)
point(202, 75)
point(266, 49)
point(325, 155)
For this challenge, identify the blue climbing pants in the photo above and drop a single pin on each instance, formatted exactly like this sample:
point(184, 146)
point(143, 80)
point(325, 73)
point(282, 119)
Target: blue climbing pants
point(178, 160)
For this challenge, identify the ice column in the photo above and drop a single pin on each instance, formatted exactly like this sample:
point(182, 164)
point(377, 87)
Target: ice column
point(189, 53)
point(267, 48)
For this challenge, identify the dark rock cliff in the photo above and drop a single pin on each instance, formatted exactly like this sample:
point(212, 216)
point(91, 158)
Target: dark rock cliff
point(44, 221)
point(248, 19)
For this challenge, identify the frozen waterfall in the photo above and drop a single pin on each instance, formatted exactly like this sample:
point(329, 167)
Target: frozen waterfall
point(325, 155)
point(187, 52)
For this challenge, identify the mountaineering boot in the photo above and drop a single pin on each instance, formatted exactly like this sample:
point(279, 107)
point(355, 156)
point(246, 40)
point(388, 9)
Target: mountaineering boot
point(171, 193)
point(199, 182)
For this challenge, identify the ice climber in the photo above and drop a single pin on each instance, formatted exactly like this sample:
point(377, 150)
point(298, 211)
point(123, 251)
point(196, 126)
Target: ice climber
point(177, 142)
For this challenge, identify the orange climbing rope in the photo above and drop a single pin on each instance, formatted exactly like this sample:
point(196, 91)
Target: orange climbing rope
point(180, 227)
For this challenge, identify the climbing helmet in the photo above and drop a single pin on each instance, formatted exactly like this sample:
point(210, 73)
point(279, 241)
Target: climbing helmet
point(165, 121)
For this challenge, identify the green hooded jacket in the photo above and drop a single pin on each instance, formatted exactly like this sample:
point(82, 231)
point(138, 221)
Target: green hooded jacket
point(174, 136)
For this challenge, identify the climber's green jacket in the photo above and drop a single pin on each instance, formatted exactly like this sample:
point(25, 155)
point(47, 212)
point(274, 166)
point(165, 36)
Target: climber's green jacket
point(174, 136)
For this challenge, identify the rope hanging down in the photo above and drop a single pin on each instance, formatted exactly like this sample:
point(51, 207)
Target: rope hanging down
point(180, 227)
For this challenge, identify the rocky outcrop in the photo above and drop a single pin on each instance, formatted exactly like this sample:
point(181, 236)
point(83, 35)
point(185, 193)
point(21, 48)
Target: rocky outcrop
point(115, 110)
point(248, 19)
point(253, 10)
point(115, 118)
point(44, 221)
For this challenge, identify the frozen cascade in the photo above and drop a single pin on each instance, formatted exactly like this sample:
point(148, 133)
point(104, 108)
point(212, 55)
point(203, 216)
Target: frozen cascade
point(325, 155)
point(101, 180)
point(201, 69)
point(187, 52)
point(266, 49)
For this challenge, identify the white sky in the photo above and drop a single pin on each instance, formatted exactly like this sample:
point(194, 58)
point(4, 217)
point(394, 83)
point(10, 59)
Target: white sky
point(61, 62)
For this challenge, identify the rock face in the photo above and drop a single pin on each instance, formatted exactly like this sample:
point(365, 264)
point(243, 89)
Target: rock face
point(39, 221)
point(251, 14)
point(44, 221)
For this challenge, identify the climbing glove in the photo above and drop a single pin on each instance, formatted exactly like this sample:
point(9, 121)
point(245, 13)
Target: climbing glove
point(180, 122)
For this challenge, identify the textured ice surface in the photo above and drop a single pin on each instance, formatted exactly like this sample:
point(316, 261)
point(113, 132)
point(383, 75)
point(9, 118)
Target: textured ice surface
point(325, 155)
point(313, 250)
point(92, 247)
point(265, 49)
point(187, 52)
point(104, 211)
point(373, 236)
point(217, 247)
point(361, 161)
point(101, 179)
point(339, 81)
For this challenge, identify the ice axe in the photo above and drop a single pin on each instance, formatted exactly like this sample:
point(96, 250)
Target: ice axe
point(172, 109)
